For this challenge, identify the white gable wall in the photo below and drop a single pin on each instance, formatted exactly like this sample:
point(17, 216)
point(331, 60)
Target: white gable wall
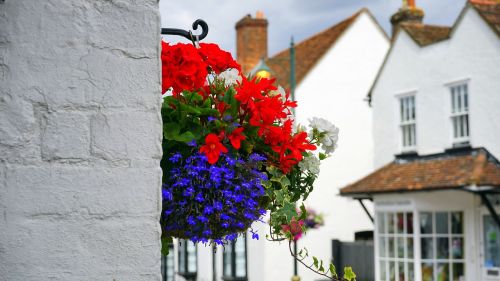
point(335, 89)
point(473, 54)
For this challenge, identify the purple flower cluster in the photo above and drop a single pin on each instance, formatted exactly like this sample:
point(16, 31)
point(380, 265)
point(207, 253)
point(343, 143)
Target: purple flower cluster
point(205, 202)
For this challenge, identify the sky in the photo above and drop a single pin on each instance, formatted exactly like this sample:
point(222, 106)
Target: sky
point(298, 18)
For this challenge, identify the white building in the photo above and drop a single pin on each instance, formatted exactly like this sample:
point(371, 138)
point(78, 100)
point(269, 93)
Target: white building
point(435, 106)
point(335, 69)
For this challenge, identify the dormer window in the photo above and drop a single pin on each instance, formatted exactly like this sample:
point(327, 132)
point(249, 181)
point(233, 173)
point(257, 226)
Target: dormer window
point(460, 113)
point(408, 123)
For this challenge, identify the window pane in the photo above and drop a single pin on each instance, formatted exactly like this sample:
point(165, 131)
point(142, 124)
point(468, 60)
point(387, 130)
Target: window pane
point(391, 222)
point(457, 223)
point(411, 272)
point(392, 271)
point(182, 256)
point(409, 247)
point(443, 272)
point(426, 223)
point(491, 242)
point(381, 247)
point(457, 248)
point(442, 248)
point(453, 103)
point(413, 135)
point(407, 109)
point(461, 132)
point(383, 271)
point(413, 113)
point(240, 255)
point(427, 272)
point(227, 260)
point(400, 223)
point(191, 252)
point(466, 125)
point(455, 127)
point(426, 246)
point(391, 247)
point(409, 223)
point(402, 109)
point(466, 97)
point(459, 99)
point(458, 272)
point(381, 222)
point(401, 271)
point(401, 247)
point(441, 222)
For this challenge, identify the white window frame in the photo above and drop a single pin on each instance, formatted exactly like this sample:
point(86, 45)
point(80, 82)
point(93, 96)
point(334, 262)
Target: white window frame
point(458, 110)
point(450, 260)
point(405, 120)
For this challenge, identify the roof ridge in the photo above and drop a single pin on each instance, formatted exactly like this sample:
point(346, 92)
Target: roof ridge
point(309, 51)
point(350, 18)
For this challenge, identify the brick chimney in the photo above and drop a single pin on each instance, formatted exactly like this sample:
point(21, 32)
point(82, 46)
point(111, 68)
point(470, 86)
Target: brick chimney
point(408, 13)
point(251, 40)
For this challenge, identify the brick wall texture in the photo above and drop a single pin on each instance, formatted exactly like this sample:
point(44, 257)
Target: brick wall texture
point(251, 42)
point(80, 140)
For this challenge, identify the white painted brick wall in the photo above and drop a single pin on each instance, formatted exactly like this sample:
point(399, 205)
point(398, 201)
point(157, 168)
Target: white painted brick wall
point(80, 140)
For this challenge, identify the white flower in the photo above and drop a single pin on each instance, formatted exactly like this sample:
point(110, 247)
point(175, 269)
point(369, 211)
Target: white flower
point(167, 93)
point(310, 163)
point(328, 133)
point(230, 77)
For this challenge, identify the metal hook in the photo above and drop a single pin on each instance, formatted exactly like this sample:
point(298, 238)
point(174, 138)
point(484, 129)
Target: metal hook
point(187, 34)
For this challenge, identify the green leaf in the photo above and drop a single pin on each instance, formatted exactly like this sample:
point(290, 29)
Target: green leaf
point(321, 268)
point(322, 156)
point(349, 275)
point(165, 242)
point(185, 137)
point(333, 270)
point(189, 109)
point(315, 262)
point(303, 212)
point(170, 130)
point(289, 210)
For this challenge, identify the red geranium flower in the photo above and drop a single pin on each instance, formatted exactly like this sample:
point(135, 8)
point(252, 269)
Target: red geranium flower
point(212, 148)
point(236, 137)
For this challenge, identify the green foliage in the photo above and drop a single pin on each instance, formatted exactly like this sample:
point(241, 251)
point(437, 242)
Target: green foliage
point(349, 275)
point(333, 271)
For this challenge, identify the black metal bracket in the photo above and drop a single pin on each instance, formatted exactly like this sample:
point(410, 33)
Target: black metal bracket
point(188, 34)
point(490, 207)
point(366, 210)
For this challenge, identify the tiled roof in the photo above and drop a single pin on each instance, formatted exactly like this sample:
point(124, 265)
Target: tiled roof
point(425, 34)
point(450, 170)
point(307, 53)
point(489, 11)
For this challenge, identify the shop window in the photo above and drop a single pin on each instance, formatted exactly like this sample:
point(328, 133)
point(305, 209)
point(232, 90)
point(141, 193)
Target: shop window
point(442, 246)
point(395, 246)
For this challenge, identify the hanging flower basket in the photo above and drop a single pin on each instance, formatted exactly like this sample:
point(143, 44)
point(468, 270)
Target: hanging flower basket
point(230, 151)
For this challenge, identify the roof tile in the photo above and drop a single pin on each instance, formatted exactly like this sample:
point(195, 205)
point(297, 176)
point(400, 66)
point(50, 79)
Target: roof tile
point(425, 34)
